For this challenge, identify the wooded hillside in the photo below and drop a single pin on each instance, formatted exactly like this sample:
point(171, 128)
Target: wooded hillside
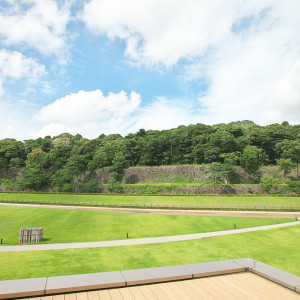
point(65, 162)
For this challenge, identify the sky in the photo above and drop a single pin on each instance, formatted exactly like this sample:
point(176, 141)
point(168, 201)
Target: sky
point(116, 66)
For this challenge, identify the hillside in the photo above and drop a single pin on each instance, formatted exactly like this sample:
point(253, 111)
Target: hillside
point(68, 163)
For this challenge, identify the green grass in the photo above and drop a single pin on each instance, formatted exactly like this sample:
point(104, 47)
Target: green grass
point(64, 225)
point(277, 247)
point(169, 184)
point(185, 201)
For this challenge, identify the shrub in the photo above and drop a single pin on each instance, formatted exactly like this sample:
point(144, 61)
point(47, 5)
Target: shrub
point(293, 186)
point(269, 183)
point(92, 186)
point(115, 187)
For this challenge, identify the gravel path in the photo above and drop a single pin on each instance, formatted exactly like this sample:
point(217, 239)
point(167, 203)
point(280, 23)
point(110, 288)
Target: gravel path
point(140, 241)
point(219, 213)
point(164, 239)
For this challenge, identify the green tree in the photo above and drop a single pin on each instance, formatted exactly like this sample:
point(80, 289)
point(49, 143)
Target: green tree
point(286, 165)
point(61, 178)
point(252, 158)
point(269, 182)
point(291, 150)
point(293, 186)
point(119, 164)
point(34, 178)
point(34, 157)
point(100, 160)
point(217, 174)
point(92, 186)
point(76, 164)
point(10, 150)
point(219, 142)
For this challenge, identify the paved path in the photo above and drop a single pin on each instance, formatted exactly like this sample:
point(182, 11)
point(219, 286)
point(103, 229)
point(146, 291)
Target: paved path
point(140, 241)
point(220, 213)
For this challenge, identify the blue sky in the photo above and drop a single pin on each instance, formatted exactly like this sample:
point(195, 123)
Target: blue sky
point(115, 66)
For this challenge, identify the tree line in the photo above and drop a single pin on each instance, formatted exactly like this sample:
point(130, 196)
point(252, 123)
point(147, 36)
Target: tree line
point(61, 162)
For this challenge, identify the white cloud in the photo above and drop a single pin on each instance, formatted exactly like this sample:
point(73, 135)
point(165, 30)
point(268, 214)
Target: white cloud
point(16, 65)
point(40, 24)
point(161, 31)
point(1, 88)
point(15, 120)
point(165, 114)
point(89, 113)
point(257, 76)
point(247, 51)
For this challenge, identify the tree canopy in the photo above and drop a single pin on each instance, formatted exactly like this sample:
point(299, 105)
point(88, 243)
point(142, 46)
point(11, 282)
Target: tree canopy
point(64, 159)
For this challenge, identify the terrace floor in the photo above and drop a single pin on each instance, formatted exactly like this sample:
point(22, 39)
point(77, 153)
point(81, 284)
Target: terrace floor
point(233, 286)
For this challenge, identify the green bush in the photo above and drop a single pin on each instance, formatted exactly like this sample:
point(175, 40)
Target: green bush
point(13, 185)
point(293, 186)
point(269, 183)
point(149, 190)
point(92, 186)
point(115, 187)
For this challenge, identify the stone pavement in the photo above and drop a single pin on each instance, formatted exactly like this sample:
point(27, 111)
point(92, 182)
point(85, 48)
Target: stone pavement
point(140, 241)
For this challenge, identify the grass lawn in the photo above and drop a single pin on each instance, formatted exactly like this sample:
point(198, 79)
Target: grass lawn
point(277, 247)
point(162, 200)
point(64, 225)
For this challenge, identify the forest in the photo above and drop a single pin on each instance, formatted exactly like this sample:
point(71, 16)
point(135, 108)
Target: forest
point(69, 162)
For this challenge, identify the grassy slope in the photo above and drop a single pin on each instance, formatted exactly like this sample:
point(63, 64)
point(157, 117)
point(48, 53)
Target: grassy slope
point(277, 247)
point(160, 200)
point(62, 225)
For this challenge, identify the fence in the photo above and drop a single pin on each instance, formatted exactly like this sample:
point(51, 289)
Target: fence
point(31, 235)
point(157, 206)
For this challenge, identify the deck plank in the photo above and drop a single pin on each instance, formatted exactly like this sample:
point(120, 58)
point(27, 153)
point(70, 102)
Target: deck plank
point(93, 295)
point(136, 293)
point(57, 297)
point(204, 293)
point(180, 292)
point(104, 295)
point(213, 291)
point(263, 288)
point(70, 296)
point(193, 294)
point(115, 294)
point(168, 291)
point(82, 296)
point(218, 283)
point(126, 294)
point(147, 292)
point(242, 290)
point(158, 292)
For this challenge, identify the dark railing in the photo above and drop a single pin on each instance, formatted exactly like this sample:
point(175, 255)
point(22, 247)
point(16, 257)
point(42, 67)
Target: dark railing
point(157, 206)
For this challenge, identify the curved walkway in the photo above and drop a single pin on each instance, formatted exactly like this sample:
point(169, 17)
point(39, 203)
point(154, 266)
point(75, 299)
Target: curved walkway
point(140, 241)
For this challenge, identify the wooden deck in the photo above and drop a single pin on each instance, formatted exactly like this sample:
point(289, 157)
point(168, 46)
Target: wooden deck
point(234, 286)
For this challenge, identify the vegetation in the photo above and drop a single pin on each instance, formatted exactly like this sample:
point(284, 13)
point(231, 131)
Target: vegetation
point(293, 186)
point(70, 163)
point(265, 246)
point(64, 226)
point(269, 183)
point(163, 200)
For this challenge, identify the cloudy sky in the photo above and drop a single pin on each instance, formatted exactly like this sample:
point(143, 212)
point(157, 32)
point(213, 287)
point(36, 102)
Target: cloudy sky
point(115, 66)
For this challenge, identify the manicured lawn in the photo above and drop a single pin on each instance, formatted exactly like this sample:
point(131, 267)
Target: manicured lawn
point(64, 225)
point(277, 247)
point(185, 201)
